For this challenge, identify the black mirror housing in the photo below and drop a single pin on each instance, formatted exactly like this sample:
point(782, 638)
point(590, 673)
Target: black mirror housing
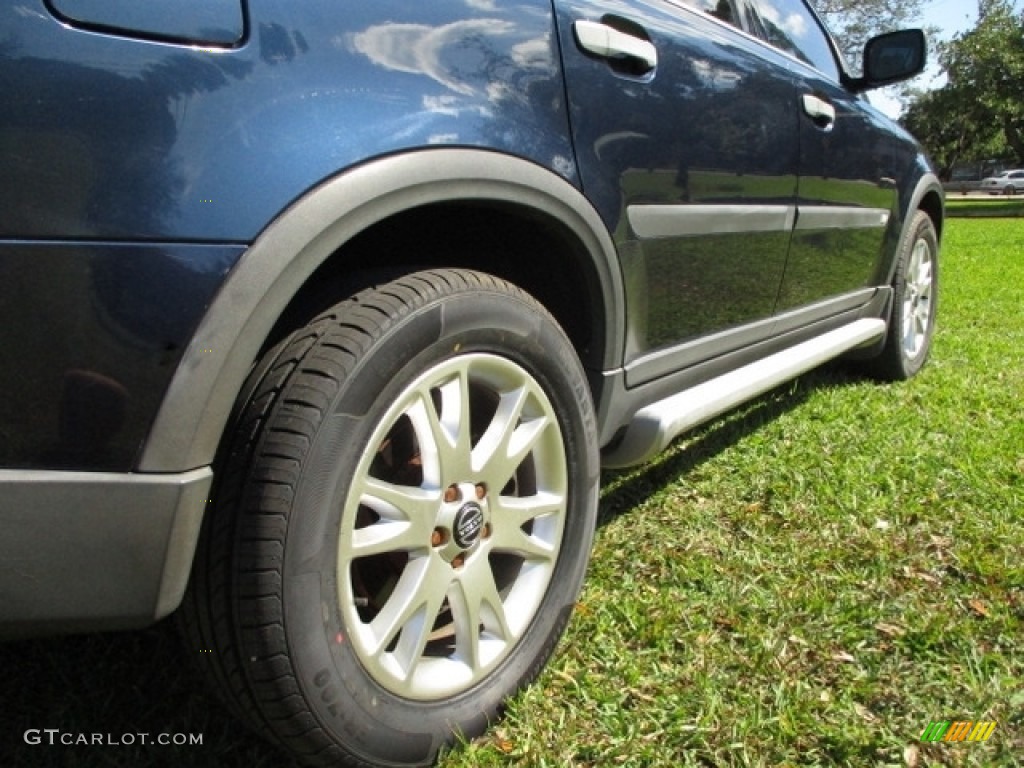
point(891, 58)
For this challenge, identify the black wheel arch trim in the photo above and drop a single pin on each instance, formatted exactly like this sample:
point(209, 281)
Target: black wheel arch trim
point(926, 195)
point(928, 186)
point(198, 402)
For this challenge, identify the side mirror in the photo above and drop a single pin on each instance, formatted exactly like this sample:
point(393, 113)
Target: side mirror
point(891, 58)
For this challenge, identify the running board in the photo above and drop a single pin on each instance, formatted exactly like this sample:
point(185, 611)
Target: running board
point(658, 424)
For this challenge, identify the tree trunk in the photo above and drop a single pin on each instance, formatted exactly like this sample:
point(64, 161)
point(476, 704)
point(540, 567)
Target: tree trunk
point(1014, 137)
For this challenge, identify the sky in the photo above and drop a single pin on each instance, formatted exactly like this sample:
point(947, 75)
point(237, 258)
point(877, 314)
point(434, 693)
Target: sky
point(950, 17)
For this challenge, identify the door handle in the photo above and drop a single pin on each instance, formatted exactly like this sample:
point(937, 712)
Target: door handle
point(610, 43)
point(820, 111)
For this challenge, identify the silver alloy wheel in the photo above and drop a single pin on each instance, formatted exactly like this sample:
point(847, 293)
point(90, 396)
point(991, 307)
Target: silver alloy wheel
point(452, 526)
point(917, 299)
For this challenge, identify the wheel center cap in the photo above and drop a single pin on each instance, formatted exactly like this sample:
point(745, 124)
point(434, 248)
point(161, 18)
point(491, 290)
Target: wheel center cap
point(468, 523)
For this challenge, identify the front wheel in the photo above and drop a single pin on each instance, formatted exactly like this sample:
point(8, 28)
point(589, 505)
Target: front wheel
point(403, 523)
point(915, 293)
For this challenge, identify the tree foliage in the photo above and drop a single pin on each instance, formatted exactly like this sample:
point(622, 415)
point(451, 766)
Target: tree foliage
point(853, 22)
point(979, 113)
point(986, 66)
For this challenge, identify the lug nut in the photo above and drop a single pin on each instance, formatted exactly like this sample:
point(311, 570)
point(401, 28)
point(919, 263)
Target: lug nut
point(458, 561)
point(481, 490)
point(452, 494)
point(486, 532)
point(439, 537)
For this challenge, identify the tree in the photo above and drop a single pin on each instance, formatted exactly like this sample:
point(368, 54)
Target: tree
point(979, 113)
point(950, 130)
point(853, 22)
point(986, 67)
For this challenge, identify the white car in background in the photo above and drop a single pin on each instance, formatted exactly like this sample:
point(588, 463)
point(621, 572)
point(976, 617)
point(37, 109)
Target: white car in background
point(1006, 183)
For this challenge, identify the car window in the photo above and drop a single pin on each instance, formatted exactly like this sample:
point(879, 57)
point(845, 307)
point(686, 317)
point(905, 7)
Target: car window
point(789, 25)
point(720, 9)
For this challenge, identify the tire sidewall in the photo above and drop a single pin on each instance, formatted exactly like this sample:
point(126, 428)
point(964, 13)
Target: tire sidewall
point(343, 696)
point(921, 227)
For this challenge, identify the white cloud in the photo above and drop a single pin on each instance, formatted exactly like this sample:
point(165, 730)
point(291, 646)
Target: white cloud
point(794, 25)
point(417, 48)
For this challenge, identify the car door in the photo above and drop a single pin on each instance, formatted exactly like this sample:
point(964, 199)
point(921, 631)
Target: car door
point(849, 167)
point(686, 143)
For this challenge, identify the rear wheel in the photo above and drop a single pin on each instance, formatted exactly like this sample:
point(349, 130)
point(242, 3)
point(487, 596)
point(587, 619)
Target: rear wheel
point(403, 522)
point(915, 292)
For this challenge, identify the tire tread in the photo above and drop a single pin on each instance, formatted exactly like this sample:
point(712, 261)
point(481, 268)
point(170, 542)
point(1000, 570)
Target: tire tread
point(233, 604)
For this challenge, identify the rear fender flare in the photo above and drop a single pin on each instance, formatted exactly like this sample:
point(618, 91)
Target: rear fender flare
point(198, 402)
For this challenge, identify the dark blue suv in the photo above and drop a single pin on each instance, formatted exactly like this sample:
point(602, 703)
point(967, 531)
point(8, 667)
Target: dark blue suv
point(319, 319)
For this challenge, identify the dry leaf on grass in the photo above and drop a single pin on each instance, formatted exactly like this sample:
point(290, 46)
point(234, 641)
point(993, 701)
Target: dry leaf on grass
point(979, 608)
point(891, 630)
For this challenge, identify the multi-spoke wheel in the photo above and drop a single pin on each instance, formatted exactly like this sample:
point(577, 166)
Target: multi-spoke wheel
point(452, 526)
point(404, 520)
point(915, 290)
point(918, 291)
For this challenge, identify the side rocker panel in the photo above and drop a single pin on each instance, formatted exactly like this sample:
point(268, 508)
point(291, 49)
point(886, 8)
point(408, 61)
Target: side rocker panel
point(198, 402)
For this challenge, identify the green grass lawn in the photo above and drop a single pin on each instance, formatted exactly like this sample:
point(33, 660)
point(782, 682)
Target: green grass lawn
point(808, 581)
point(815, 578)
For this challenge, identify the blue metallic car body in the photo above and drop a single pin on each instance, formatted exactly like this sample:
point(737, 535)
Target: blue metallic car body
point(177, 156)
point(154, 140)
point(173, 175)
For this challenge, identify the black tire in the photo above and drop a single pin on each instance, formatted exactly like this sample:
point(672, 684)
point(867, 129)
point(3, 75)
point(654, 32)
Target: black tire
point(299, 628)
point(915, 294)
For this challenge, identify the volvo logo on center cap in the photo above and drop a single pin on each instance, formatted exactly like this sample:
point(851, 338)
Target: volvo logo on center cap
point(468, 524)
